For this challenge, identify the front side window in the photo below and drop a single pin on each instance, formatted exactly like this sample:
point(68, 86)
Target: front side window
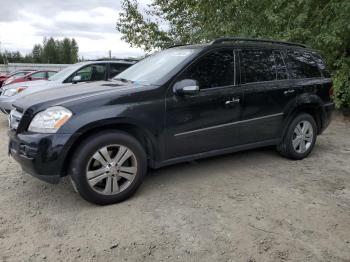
point(38, 75)
point(95, 72)
point(213, 70)
point(257, 66)
point(50, 73)
point(301, 65)
point(115, 69)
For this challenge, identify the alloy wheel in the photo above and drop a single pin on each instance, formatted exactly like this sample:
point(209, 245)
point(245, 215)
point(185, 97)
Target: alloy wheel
point(303, 136)
point(111, 169)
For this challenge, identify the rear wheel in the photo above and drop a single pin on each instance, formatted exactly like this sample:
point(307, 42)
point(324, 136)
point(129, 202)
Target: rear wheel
point(300, 137)
point(109, 167)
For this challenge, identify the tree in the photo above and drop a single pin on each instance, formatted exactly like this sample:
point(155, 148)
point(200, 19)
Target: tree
point(51, 51)
point(321, 24)
point(74, 51)
point(37, 53)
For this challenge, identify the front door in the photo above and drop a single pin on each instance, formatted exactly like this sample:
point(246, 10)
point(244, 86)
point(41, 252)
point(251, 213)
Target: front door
point(205, 121)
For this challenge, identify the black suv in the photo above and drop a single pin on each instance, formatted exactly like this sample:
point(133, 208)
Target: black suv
point(181, 104)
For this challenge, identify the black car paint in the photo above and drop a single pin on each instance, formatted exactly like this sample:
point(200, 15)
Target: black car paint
point(173, 128)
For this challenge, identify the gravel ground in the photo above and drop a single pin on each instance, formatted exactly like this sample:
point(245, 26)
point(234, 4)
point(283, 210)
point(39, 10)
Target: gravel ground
point(248, 206)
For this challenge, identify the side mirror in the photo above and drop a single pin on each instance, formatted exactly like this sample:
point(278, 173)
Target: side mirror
point(186, 87)
point(76, 79)
point(29, 78)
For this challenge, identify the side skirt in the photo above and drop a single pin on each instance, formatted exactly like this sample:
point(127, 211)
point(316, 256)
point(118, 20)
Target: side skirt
point(216, 152)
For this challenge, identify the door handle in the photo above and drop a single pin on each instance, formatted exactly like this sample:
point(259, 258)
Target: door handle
point(233, 101)
point(290, 91)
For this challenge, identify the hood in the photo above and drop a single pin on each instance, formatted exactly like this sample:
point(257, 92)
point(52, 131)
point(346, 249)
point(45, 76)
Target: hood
point(69, 94)
point(28, 84)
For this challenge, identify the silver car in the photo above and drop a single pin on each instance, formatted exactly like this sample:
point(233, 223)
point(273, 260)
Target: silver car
point(80, 72)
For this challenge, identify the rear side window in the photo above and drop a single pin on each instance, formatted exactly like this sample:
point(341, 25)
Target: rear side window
point(301, 65)
point(281, 69)
point(215, 69)
point(258, 66)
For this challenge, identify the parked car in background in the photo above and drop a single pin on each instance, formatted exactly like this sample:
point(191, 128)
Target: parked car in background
point(32, 76)
point(9, 77)
point(178, 105)
point(81, 72)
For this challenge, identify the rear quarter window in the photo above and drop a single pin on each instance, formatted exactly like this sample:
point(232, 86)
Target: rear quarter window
point(321, 65)
point(301, 64)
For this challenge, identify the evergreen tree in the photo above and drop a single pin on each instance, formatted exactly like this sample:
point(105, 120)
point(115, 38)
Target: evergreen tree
point(51, 51)
point(74, 51)
point(66, 51)
point(37, 53)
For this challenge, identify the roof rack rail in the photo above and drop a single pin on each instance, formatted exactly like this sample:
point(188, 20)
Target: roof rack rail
point(176, 45)
point(241, 39)
point(115, 59)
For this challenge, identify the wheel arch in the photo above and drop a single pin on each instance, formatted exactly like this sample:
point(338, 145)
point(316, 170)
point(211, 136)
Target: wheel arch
point(313, 109)
point(144, 136)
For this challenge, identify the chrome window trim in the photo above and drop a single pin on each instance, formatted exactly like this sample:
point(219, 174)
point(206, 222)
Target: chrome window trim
point(227, 124)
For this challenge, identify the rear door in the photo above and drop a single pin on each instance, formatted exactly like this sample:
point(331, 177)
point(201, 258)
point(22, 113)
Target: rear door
point(205, 121)
point(267, 94)
point(305, 73)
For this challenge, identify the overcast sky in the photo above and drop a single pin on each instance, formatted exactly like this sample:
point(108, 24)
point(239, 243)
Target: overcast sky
point(24, 23)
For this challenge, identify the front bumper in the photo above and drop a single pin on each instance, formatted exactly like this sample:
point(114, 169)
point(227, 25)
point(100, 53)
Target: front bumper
point(41, 155)
point(6, 103)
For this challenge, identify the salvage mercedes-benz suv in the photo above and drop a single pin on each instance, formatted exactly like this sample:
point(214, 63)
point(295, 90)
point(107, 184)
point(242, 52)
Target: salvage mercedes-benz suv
point(184, 103)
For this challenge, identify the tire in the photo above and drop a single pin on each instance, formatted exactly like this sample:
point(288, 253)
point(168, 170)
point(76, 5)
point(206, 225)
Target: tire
point(115, 184)
point(287, 149)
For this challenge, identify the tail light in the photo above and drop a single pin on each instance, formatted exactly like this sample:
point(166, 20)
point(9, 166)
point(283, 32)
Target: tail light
point(331, 91)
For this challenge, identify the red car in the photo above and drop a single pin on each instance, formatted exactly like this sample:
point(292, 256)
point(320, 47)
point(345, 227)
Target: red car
point(19, 73)
point(32, 76)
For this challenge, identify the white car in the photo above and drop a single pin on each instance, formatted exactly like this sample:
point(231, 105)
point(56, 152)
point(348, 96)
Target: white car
point(80, 72)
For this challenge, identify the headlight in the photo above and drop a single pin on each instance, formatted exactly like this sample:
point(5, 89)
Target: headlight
point(50, 120)
point(13, 91)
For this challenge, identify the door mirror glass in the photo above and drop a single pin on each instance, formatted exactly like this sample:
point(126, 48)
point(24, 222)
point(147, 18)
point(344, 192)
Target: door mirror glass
point(76, 79)
point(186, 87)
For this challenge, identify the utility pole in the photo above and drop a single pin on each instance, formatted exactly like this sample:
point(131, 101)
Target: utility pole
point(110, 54)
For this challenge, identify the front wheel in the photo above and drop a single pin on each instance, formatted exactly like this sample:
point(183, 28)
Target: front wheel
point(108, 167)
point(300, 137)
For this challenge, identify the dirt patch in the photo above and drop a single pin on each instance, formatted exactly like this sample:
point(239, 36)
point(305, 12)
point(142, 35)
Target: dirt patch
point(248, 206)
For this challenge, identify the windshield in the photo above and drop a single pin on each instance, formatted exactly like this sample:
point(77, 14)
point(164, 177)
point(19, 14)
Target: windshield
point(63, 74)
point(154, 68)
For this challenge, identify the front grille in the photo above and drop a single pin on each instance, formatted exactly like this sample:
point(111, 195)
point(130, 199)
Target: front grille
point(14, 119)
